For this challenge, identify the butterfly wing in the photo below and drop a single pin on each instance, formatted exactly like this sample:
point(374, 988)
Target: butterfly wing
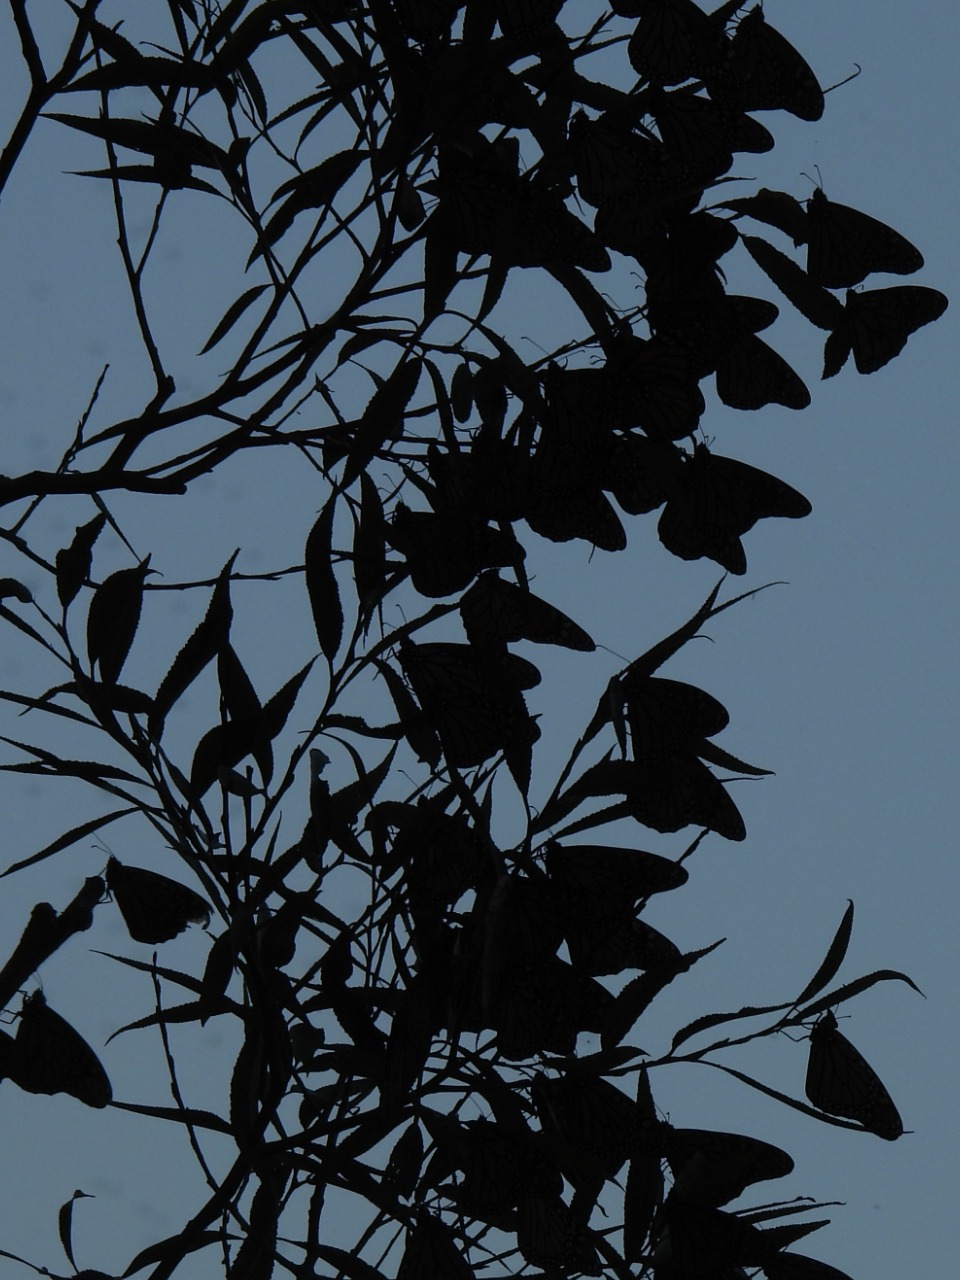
point(49, 1056)
point(154, 907)
point(841, 1082)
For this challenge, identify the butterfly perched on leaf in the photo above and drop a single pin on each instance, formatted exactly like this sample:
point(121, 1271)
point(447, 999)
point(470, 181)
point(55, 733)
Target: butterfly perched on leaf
point(432, 1253)
point(876, 324)
point(841, 1082)
point(844, 245)
point(154, 907)
point(49, 1056)
point(717, 501)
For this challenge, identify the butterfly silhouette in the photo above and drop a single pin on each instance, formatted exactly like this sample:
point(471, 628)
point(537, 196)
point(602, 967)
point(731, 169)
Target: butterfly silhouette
point(717, 500)
point(844, 245)
point(49, 1056)
point(764, 72)
point(841, 1082)
point(876, 324)
point(500, 611)
point(154, 907)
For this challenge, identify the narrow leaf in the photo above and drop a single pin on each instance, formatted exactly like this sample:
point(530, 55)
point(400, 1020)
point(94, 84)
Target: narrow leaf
point(832, 960)
point(322, 583)
point(232, 315)
point(72, 564)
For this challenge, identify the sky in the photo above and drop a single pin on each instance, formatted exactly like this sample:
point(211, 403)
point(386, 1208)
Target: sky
point(842, 681)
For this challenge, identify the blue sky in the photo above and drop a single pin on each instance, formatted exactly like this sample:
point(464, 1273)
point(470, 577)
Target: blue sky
point(843, 681)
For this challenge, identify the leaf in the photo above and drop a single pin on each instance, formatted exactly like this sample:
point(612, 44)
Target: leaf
point(322, 583)
point(202, 647)
point(65, 1224)
point(850, 989)
point(113, 619)
point(315, 189)
point(833, 959)
point(11, 587)
point(67, 839)
point(180, 1115)
point(73, 563)
point(276, 710)
point(383, 418)
point(232, 315)
point(173, 1249)
point(718, 1019)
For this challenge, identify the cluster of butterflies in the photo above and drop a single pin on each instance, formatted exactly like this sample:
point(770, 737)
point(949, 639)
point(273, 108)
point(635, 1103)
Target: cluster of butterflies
point(47, 1055)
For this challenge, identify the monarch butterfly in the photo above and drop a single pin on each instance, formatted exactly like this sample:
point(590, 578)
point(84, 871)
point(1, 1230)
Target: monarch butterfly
point(751, 374)
point(48, 1056)
point(718, 500)
point(550, 1236)
point(841, 1082)
point(764, 72)
point(591, 1114)
point(499, 1168)
point(669, 792)
point(812, 300)
point(609, 159)
point(844, 245)
point(712, 1167)
point(666, 715)
point(674, 41)
point(500, 611)
point(705, 134)
point(476, 705)
point(431, 1252)
point(651, 386)
point(542, 1006)
point(644, 473)
point(876, 324)
point(154, 907)
point(445, 551)
point(519, 18)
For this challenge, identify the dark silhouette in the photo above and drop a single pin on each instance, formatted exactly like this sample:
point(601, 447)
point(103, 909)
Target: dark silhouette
point(435, 1020)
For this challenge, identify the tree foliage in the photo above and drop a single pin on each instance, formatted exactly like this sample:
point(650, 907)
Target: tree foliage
point(433, 966)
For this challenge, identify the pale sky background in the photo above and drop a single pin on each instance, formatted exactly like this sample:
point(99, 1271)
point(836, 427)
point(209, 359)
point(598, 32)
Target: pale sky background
point(844, 681)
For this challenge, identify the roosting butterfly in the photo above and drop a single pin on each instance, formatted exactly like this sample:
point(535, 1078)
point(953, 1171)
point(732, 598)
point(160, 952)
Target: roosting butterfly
point(154, 907)
point(844, 245)
point(673, 41)
point(712, 1167)
point(876, 324)
point(48, 1056)
point(499, 611)
point(764, 72)
point(841, 1082)
point(719, 500)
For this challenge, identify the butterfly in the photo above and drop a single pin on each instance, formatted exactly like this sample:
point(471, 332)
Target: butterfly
point(764, 72)
point(844, 245)
point(446, 550)
point(668, 792)
point(669, 715)
point(154, 907)
point(705, 134)
point(592, 1115)
point(711, 1167)
point(841, 1082)
point(541, 1006)
point(751, 374)
point(673, 41)
point(651, 386)
point(431, 1252)
point(876, 324)
point(718, 500)
point(475, 702)
point(497, 610)
point(550, 1236)
point(48, 1056)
